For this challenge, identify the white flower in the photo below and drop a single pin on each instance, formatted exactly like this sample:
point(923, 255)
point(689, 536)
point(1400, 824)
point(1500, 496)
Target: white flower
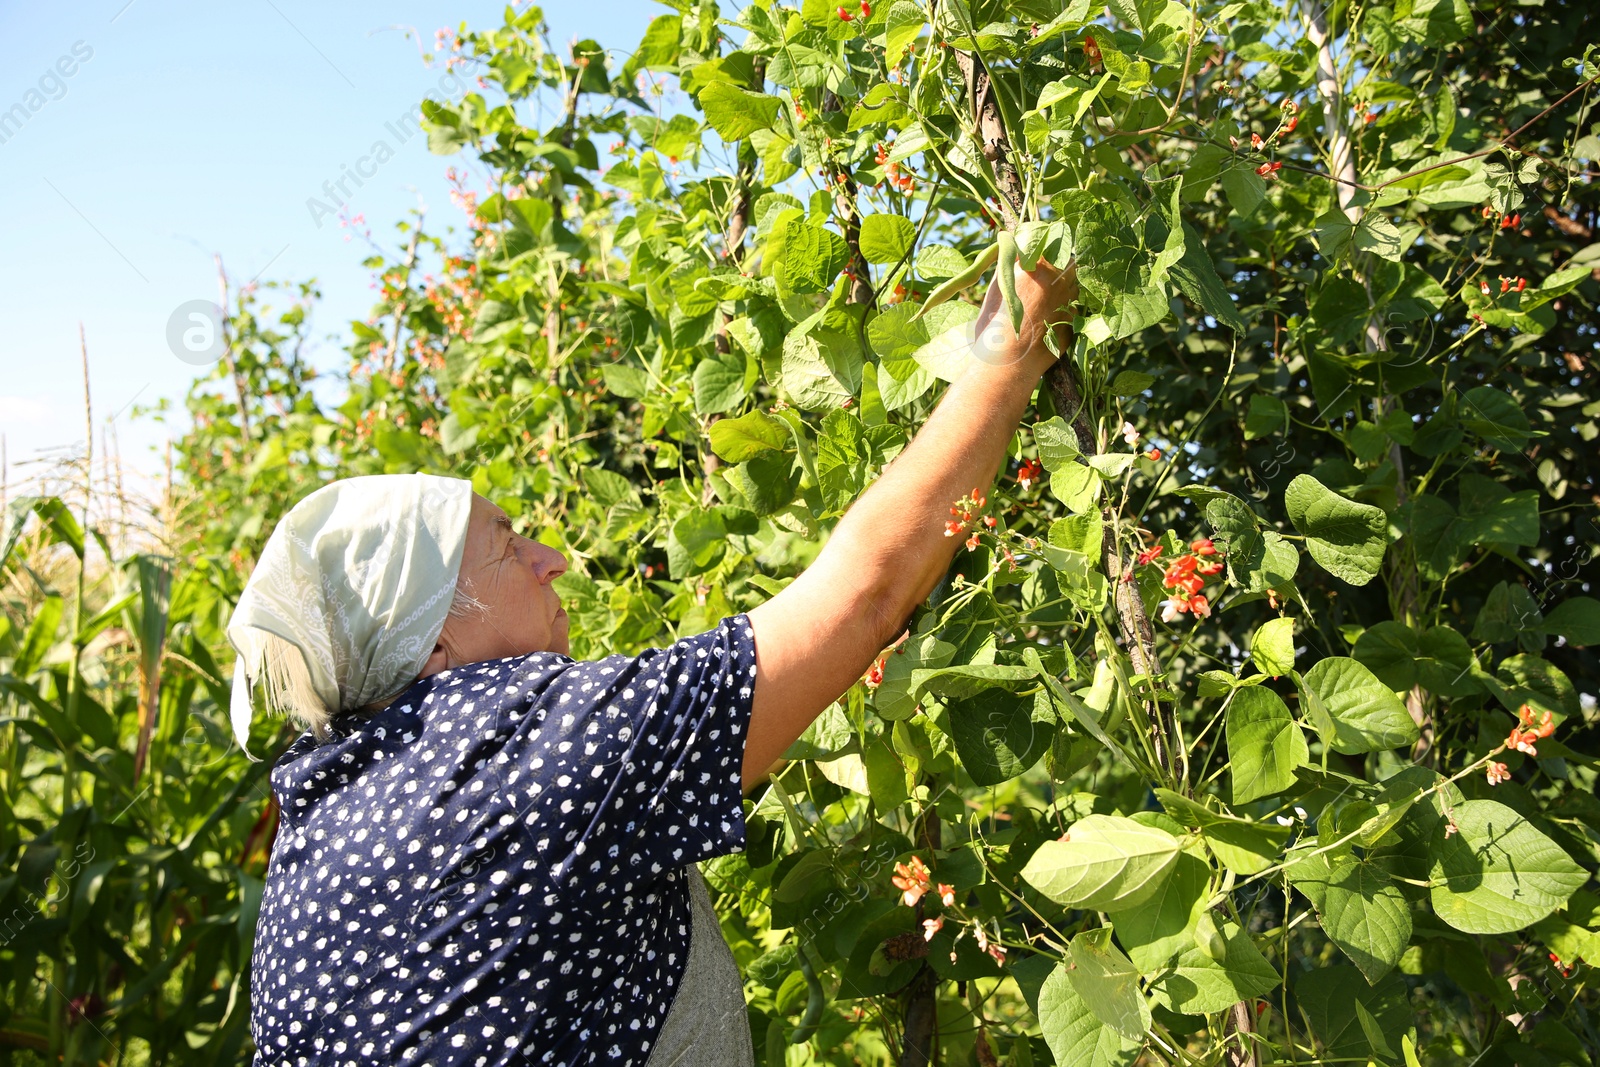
point(1129, 434)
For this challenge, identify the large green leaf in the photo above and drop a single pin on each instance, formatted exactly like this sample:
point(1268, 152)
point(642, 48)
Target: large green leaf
point(734, 113)
point(765, 481)
point(1335, 998)
point(1360, 906)
point(886, 238)
point(1196, 277)
point(1244, 846)
point(1345, 537)
point(819, 374)
point(1074, 1033)
point(1495, 417)
point(1200, 985)
point(1108, 982)
point(1265, 744)
point(1272, 647)
point(1577, 619)
point(1104, 862)
point(1389, 651)
point(1445, 662)
point(1366, 715)
point(752, 433)
point(696, 543)
point(719, 383)
point(997, 735)
point(809, 257)
point(893, 698)
point(1157, 929)
point(1496, 874)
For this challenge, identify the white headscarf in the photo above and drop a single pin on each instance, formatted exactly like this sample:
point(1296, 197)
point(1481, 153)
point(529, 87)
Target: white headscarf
point(359, 577)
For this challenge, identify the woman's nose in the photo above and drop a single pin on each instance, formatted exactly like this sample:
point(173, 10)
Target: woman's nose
point(549, 564)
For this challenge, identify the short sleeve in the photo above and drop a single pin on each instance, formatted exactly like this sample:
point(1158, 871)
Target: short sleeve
point(685, 769)
point(630, 766)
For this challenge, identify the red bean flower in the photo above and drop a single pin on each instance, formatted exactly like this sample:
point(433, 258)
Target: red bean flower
point(911, 879)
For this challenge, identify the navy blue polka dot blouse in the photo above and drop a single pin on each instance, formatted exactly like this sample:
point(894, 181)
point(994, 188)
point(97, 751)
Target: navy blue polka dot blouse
point(491, 869)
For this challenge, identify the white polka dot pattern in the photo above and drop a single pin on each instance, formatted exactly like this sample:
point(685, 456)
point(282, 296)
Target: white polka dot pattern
point(491, 870)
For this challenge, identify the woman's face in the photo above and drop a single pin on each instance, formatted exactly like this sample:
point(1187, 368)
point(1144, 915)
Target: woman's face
point(510, 575)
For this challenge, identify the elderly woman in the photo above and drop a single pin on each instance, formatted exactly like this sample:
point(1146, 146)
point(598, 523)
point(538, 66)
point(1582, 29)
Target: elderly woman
point(486, 849)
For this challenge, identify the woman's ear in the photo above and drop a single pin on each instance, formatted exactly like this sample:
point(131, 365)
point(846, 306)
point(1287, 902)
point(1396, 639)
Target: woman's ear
point(438, 660)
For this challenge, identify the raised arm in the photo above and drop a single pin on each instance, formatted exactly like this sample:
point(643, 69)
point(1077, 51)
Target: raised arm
point(818, 636)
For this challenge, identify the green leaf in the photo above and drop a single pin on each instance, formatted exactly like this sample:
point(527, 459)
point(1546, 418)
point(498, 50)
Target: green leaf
point(968, 679)
point(1378, 235)
point(1365, 714)
point(764, 481)
point(1244, 187)
point(736, 440)
point(893, 698)
point(1074, 1033)
point(820, 374)
point(1265, 416)
point(1577, 619)
point(886, 238)
point(1104, 862)
point(904, 23)
point(1131, 383)
point(1389, 650)
point(1243, 846)
point(734, 113)
point(1238, 533)
point(696, 543)
point(1330, 995)
point(1200, 985)
point(947, 355)
point(1496, 874)
point(660, 47)
point(1076, 486)
point(809, 257)
point(627, 381)
point(1196, 277)
point(1108, 983)
point(1360, 906)
point(1157, 929)
point(1445, 662)
point(1495, 417)
point(996, 736)
point(1492, 514)
point(1272, 647)
point(1057, 443)
point(896, 335)
point(1346, 538)
point(719, 383)
point(1265, 744)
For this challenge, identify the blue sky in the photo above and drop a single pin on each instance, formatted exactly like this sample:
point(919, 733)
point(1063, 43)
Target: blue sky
point(187, 129)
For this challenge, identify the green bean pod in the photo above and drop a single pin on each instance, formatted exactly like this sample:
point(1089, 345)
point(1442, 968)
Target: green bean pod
point(1008, 278)
point(815, 1002)
point(961, 281)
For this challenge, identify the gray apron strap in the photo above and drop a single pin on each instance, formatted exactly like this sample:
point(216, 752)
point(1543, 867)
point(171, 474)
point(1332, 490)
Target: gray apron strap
point(707, 1025)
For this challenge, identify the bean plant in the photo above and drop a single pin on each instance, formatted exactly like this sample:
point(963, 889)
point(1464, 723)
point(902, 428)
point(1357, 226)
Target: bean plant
point(1253, 722)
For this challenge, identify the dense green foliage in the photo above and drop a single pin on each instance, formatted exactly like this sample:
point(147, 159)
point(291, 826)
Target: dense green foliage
point(1264, 802)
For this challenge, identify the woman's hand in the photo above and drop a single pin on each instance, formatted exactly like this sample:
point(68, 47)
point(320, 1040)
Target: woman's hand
point(1047, 295)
